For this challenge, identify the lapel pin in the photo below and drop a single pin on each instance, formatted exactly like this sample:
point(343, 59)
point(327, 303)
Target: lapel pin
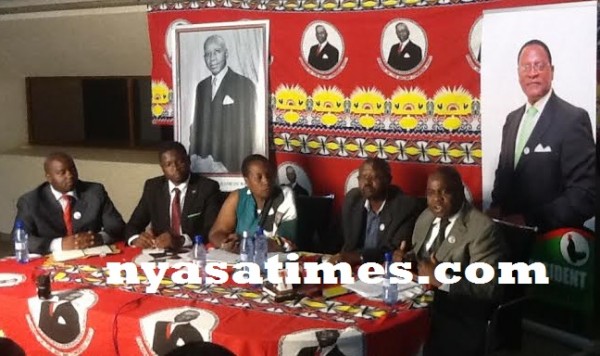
point(77, 215)
point(451, 239)
point(194, 191)
point(381, 227)
point(526, 150)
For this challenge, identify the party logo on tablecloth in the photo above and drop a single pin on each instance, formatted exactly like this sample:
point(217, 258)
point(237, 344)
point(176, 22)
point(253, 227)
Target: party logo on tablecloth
point(60, 323)
point(330, 342)
point(11, 279)
point(165, 330)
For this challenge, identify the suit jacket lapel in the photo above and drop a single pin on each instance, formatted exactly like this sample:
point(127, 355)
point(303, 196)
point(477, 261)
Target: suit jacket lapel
point(164, 204)
point(513, 130)
point(358, 217)
point(54, 209)
point(422, 231)
point(79, 207)
point(190, 197)
point(542, 124)
point(459, 229)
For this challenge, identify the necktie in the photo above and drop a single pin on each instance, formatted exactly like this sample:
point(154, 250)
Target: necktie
point(525, 132)
point(441, 236)
point(214, 86)
point(67, 214)
point(400, 47)
point(176, 213)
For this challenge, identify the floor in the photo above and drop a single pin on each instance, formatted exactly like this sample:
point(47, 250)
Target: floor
point(533, 344)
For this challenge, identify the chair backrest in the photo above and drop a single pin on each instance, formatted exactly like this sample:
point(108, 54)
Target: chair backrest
point(518, 241)
point(314, 219)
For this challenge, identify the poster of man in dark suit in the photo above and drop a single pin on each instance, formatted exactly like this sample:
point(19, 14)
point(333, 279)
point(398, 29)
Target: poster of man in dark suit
point(326, 340)
point(290, 174)
point(546, 171)
point(404, 55)
point(169, 335)
point(59, 320)
point(323, 55)
point(220, 93)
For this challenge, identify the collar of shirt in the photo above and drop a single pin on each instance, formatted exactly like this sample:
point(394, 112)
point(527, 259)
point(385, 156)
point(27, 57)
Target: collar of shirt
point(182, 188)
point(436, 227)
point(322, 45)
point(57, 195)
point(403, 44)
point(368, 207)
point(539, 105)
point(220, 76)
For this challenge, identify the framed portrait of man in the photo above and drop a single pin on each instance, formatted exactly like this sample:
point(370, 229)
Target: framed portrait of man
point(220, 86)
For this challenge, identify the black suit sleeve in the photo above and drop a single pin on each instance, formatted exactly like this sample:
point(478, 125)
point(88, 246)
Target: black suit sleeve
point(36, 243)
point(140, 218)
point(112, 222)
point(578, 169)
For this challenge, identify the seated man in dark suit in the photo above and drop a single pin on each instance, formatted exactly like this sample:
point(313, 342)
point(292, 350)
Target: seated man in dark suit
point(66, 213)
point(178, 204)
point(376, 216)
point(452, 230)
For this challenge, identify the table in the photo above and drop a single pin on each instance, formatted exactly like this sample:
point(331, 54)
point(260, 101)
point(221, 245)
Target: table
point(90, 317)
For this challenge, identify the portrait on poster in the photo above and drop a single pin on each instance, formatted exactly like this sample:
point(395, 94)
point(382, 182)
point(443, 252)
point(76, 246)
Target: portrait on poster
point(404, 48)
point(220, 86)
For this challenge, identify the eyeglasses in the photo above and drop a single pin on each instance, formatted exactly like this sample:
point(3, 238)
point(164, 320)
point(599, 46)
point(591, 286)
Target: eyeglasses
point(538, 67)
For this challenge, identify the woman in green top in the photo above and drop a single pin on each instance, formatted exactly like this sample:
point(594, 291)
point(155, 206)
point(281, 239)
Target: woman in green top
point(261, 204)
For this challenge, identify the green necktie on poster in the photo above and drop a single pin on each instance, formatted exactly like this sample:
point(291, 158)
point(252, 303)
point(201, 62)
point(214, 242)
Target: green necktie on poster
point(525, 132)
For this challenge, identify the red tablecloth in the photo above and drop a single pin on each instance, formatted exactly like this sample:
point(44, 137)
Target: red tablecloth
point(91, 317)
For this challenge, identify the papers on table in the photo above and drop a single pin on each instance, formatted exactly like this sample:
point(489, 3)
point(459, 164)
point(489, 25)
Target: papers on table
point(65, 255)
point(375, 291)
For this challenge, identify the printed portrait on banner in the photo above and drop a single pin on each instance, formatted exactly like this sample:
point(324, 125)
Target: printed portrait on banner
point(60, 324)
point(163, 331)
point(322, 50)
point(220, 85)
point(404, 49)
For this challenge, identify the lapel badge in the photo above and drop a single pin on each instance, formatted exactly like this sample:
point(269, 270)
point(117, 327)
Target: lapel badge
point(77, 215)
point(451, 239)
point(526, 150)
point(381, 227)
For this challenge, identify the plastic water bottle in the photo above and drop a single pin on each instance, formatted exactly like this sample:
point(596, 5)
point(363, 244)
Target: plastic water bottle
point(246, 248)
point(390, 291)
point(21, 242)
point(260, 249)
point(199, 256)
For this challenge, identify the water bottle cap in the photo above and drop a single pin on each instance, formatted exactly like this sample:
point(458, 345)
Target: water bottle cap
point(198, 239)
point(388, 256)
point(19, 224)
point(244, 234)
point(260, 231)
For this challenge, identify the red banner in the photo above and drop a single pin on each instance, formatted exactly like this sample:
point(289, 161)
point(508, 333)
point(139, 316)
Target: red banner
point(369, 90)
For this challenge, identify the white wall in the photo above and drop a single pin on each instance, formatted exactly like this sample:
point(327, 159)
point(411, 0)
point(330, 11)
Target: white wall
point(98, 42)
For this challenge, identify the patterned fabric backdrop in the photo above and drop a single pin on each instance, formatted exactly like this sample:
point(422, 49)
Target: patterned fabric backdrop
point(416, 107)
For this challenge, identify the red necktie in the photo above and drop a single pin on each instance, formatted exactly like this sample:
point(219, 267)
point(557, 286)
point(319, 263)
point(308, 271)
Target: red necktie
point(176, 213)
point(67, 214)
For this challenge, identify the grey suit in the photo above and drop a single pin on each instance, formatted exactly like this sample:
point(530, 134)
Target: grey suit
point(42, 215)
point(459, 318)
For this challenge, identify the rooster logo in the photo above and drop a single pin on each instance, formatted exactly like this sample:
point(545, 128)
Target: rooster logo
point(574, 248)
